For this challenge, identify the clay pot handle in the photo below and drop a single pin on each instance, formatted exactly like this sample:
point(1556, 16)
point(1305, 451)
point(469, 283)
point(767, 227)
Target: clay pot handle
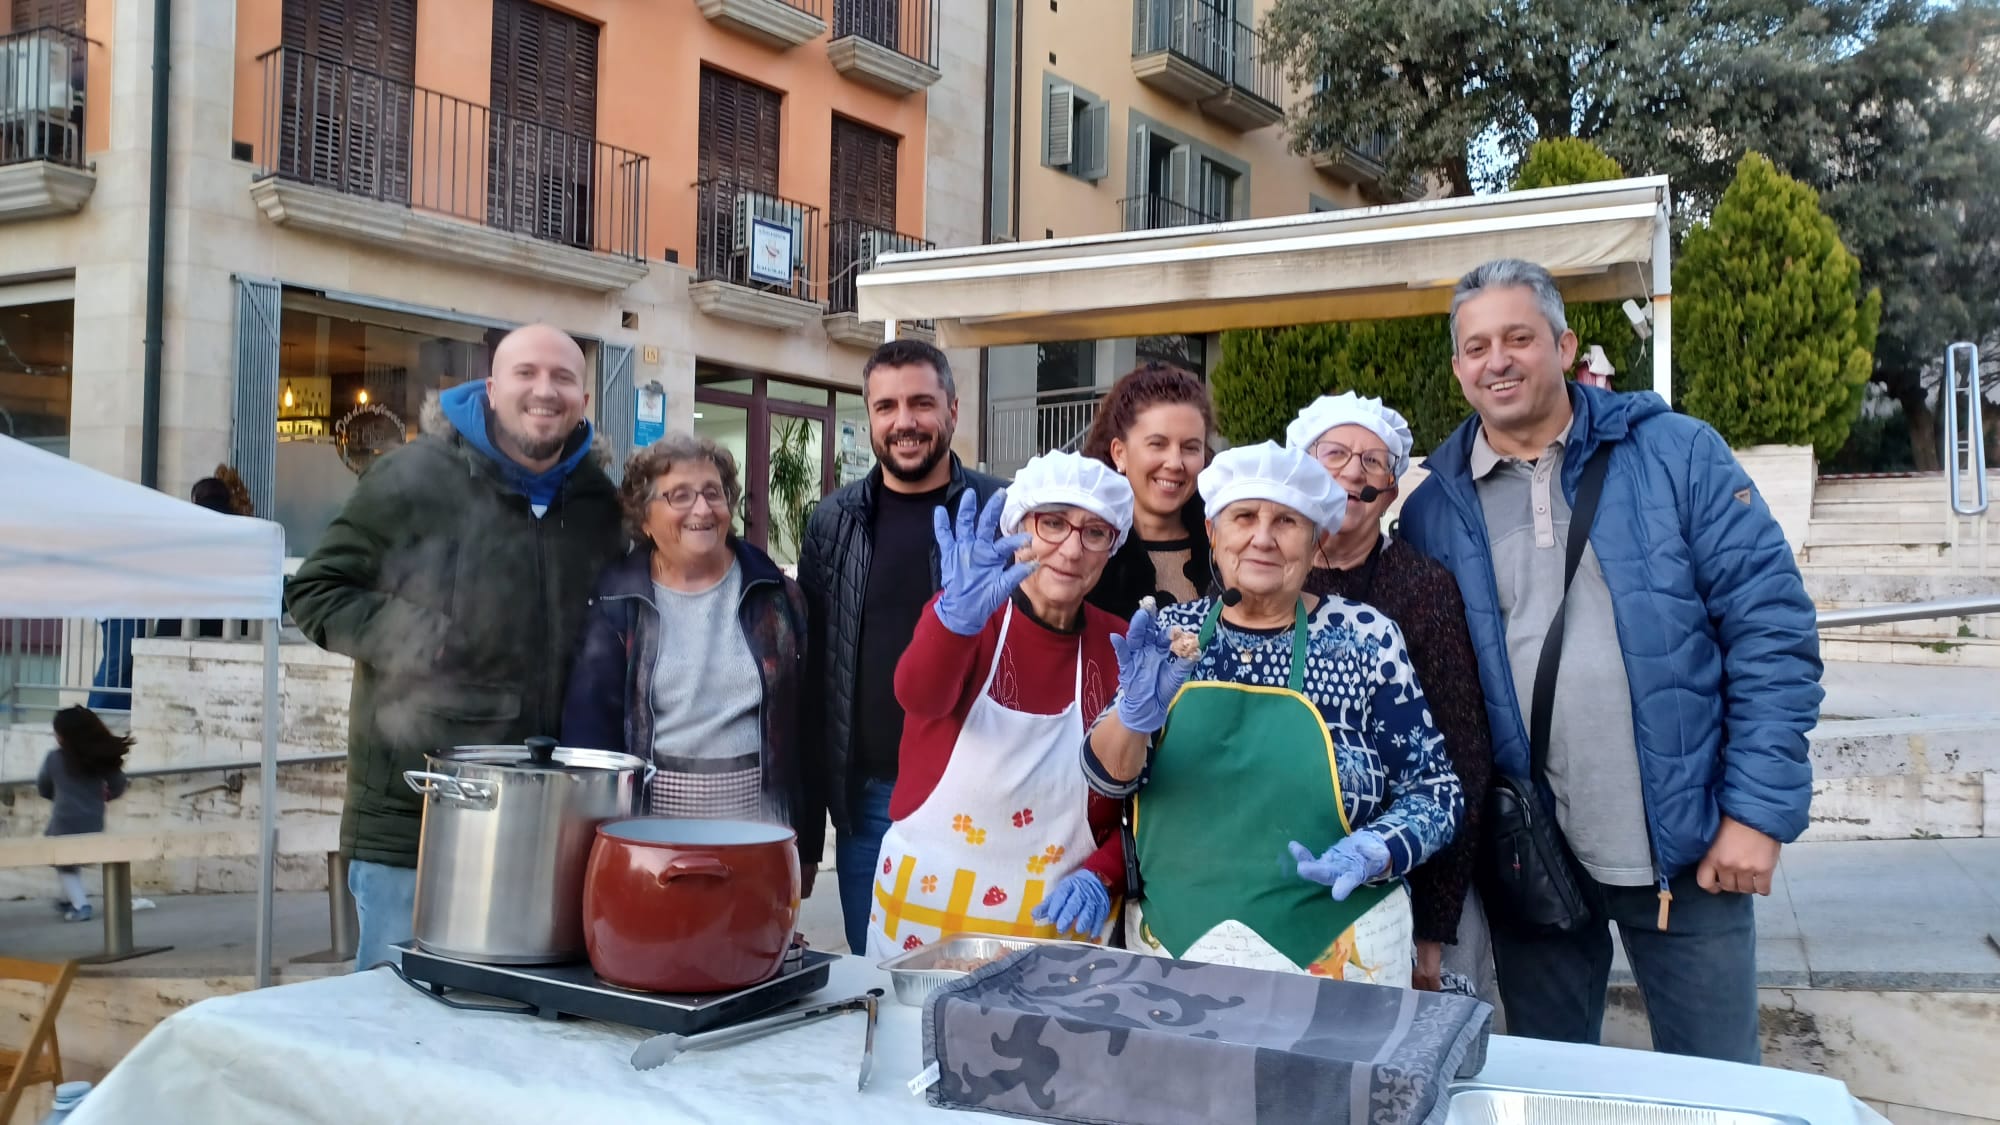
point(693, 865)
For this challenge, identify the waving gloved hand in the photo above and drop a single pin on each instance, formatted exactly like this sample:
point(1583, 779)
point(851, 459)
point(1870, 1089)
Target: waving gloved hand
point(1079, 904)
point(978, 568)
point(1148, 673)
point(1346, 865)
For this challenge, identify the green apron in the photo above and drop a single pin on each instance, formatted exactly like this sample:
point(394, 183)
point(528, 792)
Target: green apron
point(1239, 773)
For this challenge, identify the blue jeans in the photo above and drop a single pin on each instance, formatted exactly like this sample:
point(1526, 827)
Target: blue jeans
point(1698, 976)
point(385, 904)
point(854, 856)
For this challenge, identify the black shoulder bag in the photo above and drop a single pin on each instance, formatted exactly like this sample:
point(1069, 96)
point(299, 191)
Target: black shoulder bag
point(1528, 877)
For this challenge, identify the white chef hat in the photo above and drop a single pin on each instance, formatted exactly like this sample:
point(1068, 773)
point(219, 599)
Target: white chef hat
point(1350, 409)
point(1070, 480)
point(1269, 471)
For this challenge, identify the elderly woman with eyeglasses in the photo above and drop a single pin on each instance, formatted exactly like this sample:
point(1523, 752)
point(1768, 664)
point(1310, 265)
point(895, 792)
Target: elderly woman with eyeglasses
point(692, 655)
point(993, 829)
point(1283, 765)
point(1365, 445)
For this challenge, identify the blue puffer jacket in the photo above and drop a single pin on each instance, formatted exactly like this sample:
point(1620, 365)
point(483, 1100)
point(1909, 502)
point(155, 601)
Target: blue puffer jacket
point(1717, 630)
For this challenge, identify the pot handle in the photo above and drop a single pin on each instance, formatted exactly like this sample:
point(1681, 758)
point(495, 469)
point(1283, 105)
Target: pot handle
point(466, 794)
point(694, 865)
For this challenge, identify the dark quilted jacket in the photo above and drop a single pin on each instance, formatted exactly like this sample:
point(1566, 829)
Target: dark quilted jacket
point(1717, 629)
point(610, 705)
point(833, 572)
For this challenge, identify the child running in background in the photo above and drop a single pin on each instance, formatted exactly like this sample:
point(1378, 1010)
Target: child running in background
point(81, 775)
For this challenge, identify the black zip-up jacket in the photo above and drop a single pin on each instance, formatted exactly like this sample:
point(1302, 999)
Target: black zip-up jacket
point(833, 572)
point(1128, 575)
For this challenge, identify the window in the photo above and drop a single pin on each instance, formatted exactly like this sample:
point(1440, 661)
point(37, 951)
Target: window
point(36, 341)
point(544, 97)
point(737, 138)
point(864, 175)
point(348, 100)
point(1218, 190)
point(1076, 131)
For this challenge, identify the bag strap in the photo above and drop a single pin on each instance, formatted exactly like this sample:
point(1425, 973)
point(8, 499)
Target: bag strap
point(1588, 488)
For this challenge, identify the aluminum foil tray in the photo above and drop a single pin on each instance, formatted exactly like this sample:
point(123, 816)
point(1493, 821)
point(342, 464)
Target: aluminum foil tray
point(1493, 1105)
point(917, 974)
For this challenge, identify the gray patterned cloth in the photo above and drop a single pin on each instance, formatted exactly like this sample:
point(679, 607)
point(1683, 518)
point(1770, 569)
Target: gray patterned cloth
point(1075, 1033)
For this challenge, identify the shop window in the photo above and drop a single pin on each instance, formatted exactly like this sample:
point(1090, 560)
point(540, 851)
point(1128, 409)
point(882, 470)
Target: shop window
point(36, 341)
point(351, 390)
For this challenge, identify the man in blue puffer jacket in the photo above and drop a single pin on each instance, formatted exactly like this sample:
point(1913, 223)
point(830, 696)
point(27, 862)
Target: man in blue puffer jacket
point(1689, 677)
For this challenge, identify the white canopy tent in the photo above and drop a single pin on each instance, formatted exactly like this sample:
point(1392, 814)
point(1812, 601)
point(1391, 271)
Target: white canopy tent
point(1603, 241)
point(76, 542)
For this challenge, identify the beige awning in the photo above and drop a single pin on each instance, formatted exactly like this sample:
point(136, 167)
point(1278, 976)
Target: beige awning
point(1603, 241)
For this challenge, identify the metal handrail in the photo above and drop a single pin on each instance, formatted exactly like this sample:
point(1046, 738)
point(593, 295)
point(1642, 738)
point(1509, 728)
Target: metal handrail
point(43, 82)
point(1969, 606)
point(208, 767)
point(1964, 445)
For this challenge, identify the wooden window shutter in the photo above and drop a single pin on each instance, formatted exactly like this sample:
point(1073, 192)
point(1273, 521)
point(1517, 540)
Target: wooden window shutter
point(47, 13)
point(1058, 126)
point(1093, 142)
point(1180, 172)
point(864, 175)
point(1139, 172)
point(737, 136)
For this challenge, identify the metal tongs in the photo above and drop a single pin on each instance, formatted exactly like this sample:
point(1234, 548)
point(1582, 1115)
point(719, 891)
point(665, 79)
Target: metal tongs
point(662, 1049)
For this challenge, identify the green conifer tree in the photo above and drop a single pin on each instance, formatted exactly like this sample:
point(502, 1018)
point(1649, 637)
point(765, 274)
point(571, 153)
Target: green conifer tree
point(1773, 338)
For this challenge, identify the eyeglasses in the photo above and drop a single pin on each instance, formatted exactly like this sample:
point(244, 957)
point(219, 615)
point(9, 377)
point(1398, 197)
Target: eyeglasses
point(682, 498)
point(1335, 457)
point(1054, 529)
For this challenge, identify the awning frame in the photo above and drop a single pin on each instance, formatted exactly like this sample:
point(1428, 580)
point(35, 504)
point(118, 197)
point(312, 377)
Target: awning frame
point(1603, 241)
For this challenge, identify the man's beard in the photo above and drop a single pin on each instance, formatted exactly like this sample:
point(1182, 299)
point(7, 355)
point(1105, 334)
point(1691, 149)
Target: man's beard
point(534, 448)
point(935, 453)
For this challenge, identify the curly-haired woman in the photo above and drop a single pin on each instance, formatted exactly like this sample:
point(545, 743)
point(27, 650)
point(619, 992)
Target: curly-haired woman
point(693, 651)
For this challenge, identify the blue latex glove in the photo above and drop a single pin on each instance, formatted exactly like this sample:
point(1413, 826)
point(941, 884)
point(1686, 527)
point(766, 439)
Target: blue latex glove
point(1346, 865)
point(1079, 904)
point(1148, 673)
point(978, 568)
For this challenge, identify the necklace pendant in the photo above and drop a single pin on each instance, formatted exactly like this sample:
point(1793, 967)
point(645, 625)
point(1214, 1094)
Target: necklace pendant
point(1243, 656)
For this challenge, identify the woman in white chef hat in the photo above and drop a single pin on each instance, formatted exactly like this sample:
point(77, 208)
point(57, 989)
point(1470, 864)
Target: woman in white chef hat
point(993, 828)
point(1286, 773)
point(1365, 446)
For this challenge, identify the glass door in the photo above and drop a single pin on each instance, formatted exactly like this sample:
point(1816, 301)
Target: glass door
point(797, 476)
point(793, 443)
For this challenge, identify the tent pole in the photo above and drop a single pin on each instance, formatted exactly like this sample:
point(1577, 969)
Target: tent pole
point(1663, 307)
point(267, 859)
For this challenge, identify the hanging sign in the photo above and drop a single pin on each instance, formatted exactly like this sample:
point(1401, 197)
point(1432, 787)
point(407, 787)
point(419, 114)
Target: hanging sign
point(649, 421)
point(770, 253)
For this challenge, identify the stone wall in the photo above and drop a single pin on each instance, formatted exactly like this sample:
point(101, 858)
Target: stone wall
point(198, 703)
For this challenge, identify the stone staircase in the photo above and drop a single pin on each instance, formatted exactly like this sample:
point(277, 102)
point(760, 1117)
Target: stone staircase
point(1873, 541)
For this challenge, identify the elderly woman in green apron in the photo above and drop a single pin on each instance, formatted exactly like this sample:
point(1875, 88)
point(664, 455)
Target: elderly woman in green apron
point(1284, 770)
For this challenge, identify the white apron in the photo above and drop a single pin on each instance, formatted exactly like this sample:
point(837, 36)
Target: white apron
point(1008, 820)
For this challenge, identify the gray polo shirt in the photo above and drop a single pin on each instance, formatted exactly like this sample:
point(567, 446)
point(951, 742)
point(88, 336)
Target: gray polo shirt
point(1593, 764)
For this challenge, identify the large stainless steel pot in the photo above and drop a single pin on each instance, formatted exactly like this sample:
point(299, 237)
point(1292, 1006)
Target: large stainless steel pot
point(506, 840)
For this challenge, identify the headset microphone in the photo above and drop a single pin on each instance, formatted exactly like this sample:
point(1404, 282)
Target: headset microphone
point(1368, 494)
point(1231, 596)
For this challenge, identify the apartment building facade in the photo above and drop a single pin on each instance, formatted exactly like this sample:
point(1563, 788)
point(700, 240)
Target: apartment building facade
point(1136, 115)
point(363, 195)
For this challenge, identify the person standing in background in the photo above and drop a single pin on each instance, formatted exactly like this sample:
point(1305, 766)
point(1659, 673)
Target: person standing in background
point(85, 772)
point(868, 565)
point(1153, 427)
point(458, 578)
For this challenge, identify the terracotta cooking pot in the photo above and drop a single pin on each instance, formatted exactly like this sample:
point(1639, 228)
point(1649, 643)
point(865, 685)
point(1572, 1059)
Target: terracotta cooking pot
point(674, 905)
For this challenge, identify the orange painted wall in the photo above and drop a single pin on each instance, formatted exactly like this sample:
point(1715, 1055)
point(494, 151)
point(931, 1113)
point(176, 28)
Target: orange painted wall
point(650, 56)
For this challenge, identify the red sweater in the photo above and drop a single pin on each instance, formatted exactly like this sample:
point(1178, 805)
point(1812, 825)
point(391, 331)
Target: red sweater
point(941, 673)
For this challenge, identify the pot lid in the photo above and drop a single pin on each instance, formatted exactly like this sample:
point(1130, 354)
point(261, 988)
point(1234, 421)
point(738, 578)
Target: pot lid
point(541, 754)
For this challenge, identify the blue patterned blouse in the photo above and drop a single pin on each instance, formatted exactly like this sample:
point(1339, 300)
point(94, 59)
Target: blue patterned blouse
point(1395, 780)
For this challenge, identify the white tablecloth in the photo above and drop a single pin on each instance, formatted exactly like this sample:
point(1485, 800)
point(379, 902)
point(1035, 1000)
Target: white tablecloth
point(370, 1049)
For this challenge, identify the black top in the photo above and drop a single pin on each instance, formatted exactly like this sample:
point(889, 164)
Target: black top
point(1129, 575)
point(899, 583)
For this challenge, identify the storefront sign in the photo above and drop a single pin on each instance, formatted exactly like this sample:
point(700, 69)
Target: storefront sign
point(770, 253)
point(367, 432)
point(649, 423)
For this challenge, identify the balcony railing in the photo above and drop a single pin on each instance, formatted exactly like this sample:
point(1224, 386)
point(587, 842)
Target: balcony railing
point(907, 27)
point(1157, 212)
point(1208, 36)
point(1028, 425)
point(757, 239)
point(852, 248)
point(349, 130)
point(42, 83)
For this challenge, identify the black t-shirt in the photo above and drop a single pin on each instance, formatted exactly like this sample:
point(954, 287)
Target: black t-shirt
point(899, 584)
